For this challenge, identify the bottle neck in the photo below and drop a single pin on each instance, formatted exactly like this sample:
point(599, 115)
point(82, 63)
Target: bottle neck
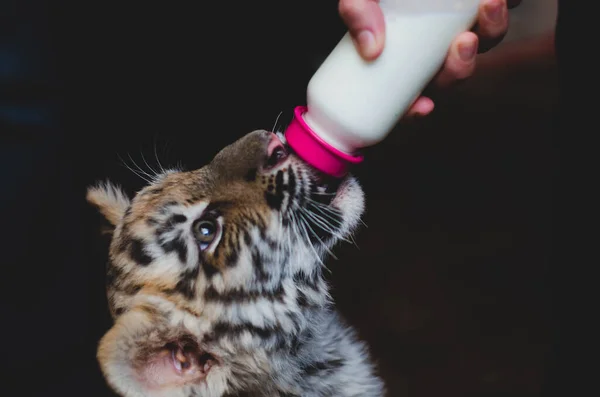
point(317, 152)
point(327, 132)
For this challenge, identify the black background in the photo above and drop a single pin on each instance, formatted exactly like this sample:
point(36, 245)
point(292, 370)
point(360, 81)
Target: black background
point(450, 284)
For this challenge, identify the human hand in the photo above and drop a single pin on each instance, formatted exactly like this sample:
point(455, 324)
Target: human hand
point(365, 22)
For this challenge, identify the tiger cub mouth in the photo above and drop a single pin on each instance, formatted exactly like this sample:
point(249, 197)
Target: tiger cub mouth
point(324, 187)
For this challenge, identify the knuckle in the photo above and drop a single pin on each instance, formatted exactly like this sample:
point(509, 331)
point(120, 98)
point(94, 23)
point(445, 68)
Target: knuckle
point(465, 71)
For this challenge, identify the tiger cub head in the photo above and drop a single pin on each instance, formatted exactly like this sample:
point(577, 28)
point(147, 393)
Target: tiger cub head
point(213, 271)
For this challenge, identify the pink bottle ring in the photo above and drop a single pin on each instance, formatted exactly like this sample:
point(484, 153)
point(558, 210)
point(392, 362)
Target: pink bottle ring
point(314, 150)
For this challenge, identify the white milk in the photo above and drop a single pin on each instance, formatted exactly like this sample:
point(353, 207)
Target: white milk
point(353, 103)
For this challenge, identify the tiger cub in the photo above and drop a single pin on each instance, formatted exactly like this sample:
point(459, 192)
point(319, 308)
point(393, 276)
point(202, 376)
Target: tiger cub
point(215, 280)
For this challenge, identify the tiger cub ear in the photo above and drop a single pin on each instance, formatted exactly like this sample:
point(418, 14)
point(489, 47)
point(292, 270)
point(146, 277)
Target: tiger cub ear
point(111, 201)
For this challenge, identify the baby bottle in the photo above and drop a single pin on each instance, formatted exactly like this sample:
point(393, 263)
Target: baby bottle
point(353, 103)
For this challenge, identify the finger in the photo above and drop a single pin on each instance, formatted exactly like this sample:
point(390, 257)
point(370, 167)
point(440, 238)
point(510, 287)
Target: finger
point(366, 25)
point(492, 23)
point(421, 107)
point(460, 62)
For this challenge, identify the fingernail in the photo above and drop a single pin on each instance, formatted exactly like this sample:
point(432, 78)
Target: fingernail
point(366, 41)
point(466, 51)
point(494, 11)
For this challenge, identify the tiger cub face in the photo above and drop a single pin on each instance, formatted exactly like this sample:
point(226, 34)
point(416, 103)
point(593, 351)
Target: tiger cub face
point(213, 271)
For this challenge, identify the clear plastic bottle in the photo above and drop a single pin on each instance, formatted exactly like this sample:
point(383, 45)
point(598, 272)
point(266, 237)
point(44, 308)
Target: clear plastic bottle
point(353, 103)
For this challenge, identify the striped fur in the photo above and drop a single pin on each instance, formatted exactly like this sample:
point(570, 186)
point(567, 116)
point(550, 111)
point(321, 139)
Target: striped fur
point(251, 306)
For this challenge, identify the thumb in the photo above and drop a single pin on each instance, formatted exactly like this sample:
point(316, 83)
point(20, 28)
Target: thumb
point(366, 25)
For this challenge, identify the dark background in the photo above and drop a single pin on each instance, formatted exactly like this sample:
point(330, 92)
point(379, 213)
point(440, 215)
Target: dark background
point(450, 282)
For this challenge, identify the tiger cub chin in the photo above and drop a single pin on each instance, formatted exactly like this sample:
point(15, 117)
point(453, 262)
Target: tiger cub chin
point(215, 280)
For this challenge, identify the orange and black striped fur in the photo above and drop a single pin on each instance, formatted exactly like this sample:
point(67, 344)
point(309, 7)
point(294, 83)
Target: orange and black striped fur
point(215, 281)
